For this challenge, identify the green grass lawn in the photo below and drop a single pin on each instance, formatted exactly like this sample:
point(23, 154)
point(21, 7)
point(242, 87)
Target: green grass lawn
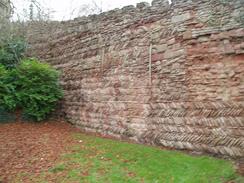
point(97, 160)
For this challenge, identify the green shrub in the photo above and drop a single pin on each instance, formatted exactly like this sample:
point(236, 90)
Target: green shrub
point(6, 116)
point(26, 84)
point(7, 89)
point(12, 52)
point(37, 88)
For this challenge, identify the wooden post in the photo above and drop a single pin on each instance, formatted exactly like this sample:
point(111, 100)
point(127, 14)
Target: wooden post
point(102, 47)
point(150, 64)
point(102, 59)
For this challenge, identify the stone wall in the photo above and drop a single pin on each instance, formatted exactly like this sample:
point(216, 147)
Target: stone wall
point(167, 75)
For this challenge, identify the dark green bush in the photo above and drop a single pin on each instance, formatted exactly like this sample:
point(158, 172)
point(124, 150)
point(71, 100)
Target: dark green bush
point(7, 88)
point(26, 84)
point(31, 87)
point(12, 52)
point(37, 88)
point(6, 116)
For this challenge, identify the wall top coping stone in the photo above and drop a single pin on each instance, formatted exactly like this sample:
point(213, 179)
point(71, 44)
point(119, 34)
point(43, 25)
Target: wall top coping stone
point(126, 9)
point(177, 12)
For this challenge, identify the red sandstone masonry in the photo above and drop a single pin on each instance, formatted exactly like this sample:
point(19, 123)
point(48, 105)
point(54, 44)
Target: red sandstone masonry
point(195, 100)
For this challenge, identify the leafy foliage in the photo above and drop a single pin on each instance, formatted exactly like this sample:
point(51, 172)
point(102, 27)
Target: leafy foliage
point(7, 89)
point(12, 52)
point(32, 87)
point(26, 84)
point(37, 88)
point(6, 116)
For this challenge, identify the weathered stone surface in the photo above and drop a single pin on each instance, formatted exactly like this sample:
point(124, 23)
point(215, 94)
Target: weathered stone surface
point(181, 18)
point(142, 5)
point(187, 35)
point(185, 93)
point(173, 53)
point(160, 2)
point(160, 48)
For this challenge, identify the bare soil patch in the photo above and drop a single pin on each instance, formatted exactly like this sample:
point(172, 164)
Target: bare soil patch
point(30, 148)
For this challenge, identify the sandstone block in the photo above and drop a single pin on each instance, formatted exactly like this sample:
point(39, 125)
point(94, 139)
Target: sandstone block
point(228, 49)
point(157, 57)
point(203, 39)
point(159, 48)
point(160, 2)
point(181, 18)
point(142, 5)
point(171, 41)
point(173, 53)
point(187, 35)
point(128, 8)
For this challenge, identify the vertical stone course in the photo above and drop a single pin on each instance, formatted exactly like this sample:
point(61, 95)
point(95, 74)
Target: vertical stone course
point(190, 96)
